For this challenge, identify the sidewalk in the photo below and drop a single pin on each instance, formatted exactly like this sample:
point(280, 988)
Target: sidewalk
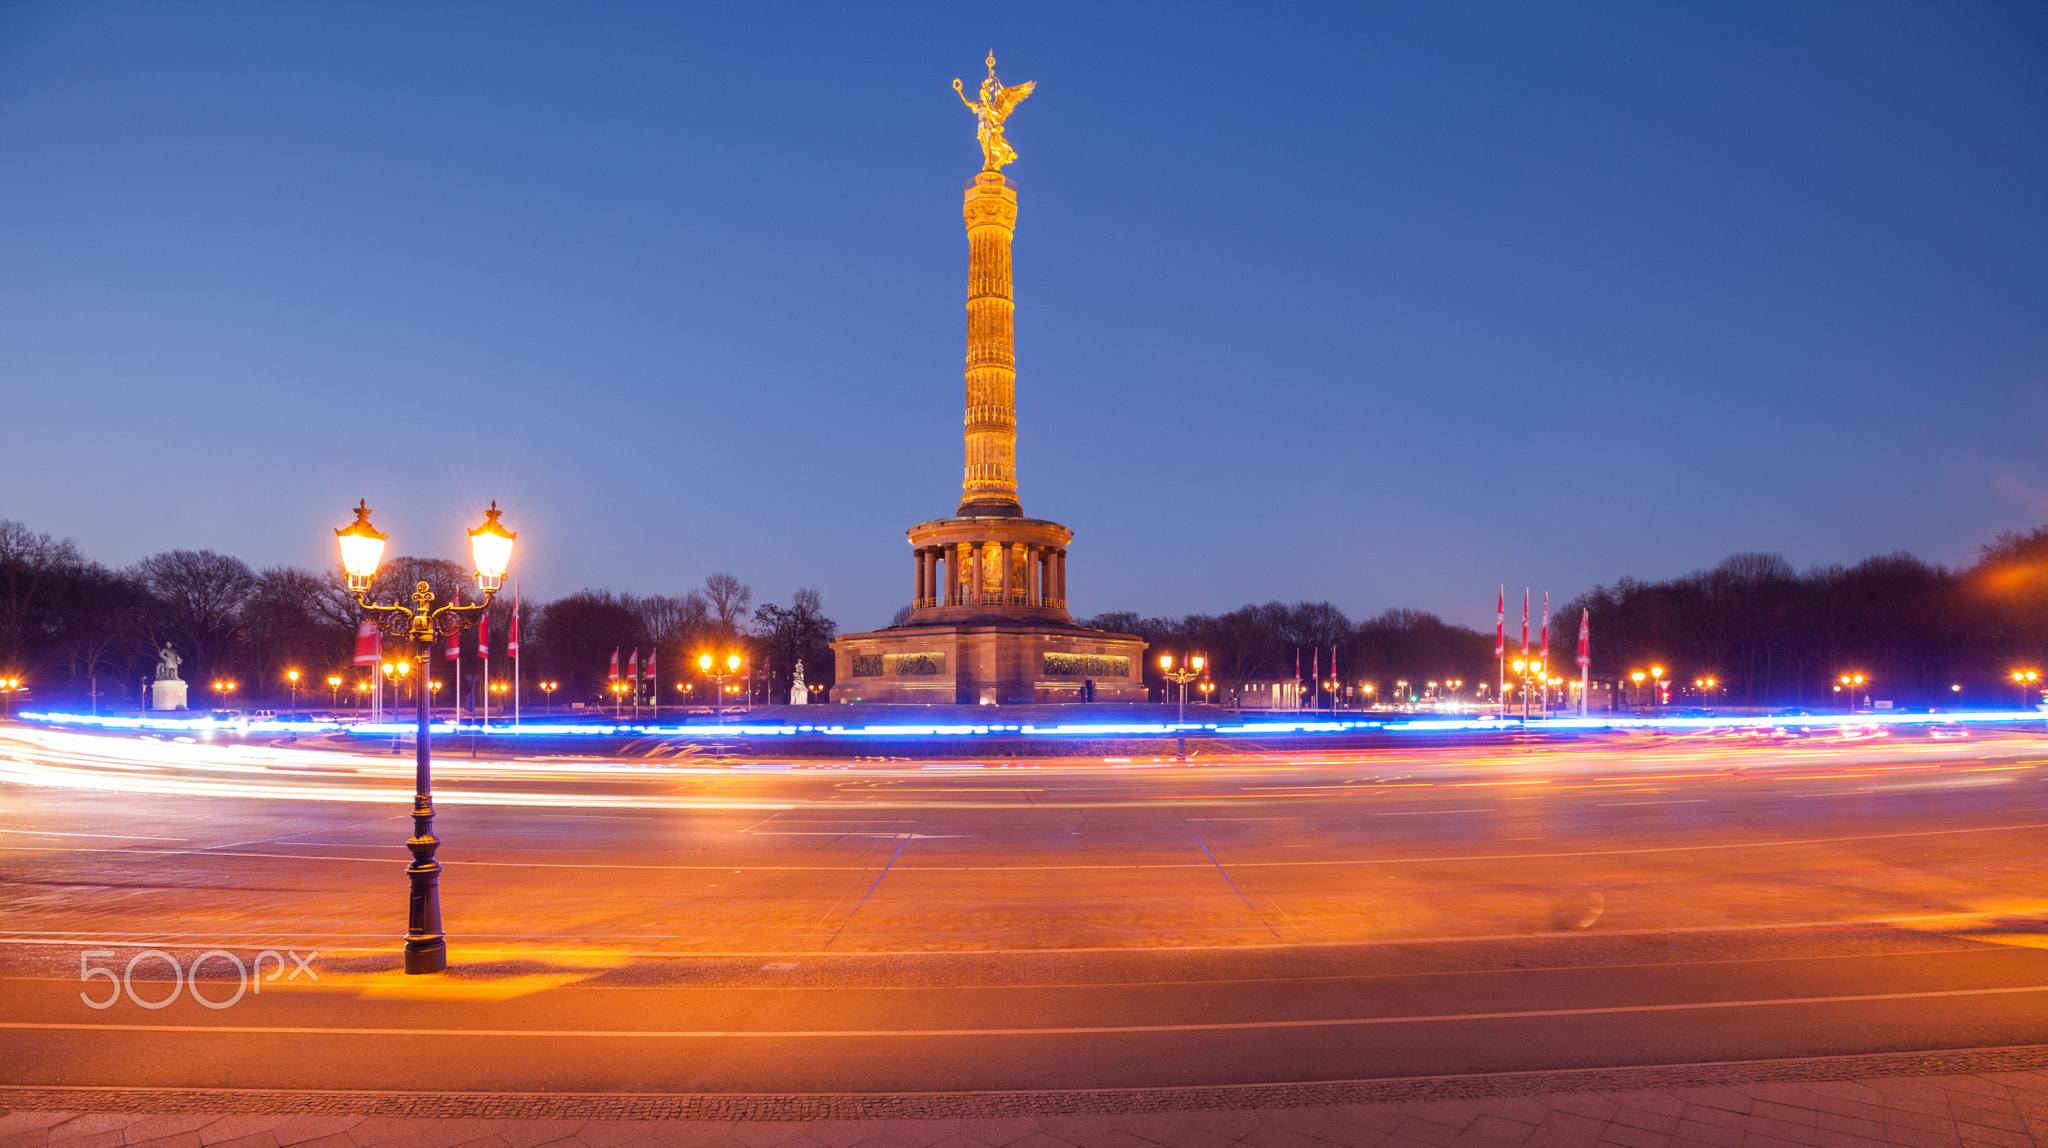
point(1826, 1103)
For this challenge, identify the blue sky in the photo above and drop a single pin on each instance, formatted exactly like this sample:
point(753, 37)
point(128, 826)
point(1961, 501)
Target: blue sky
point(1384, 304)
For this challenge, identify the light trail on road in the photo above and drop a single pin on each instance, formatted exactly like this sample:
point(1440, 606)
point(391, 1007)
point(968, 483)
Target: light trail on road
point(845, 924)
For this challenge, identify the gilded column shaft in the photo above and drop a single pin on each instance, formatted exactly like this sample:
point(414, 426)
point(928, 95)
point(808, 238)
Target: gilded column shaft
point(989, 486)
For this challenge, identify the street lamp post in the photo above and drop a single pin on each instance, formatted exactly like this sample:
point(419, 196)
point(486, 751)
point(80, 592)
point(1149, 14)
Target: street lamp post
point(292, 676)
point(334, 692)
point(547, 690)
point(1850, 684)
point(9, 686)
point(708, 665)
point(221, 690)
point(1181, 677)
point(362, 546)
point(2024, 679)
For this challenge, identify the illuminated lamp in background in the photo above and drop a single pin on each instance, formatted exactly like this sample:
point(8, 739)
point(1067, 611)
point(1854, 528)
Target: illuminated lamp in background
point(1188, 672)
point(718, 672)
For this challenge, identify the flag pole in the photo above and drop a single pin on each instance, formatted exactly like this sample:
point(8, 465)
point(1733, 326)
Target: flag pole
point(515, 654)
point(1585, 654)
point(1500, 651)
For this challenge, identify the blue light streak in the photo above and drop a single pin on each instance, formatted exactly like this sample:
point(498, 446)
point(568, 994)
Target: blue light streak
point(1421, 725)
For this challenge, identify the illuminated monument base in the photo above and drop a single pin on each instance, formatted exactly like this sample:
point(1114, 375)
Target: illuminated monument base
point(989, 626)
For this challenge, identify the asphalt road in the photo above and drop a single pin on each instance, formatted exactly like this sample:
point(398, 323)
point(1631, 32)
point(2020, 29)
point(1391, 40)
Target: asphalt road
point(762, 926)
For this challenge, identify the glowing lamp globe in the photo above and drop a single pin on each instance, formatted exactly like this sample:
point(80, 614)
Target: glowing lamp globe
point(362, 547)
point(1195, 661)
point(491, 546)
point(732, 662)
point(704, 662)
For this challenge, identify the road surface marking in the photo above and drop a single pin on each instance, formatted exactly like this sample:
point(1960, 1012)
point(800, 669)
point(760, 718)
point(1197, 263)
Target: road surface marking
point(125, 836)
point(792, 1034)
point(997, 865)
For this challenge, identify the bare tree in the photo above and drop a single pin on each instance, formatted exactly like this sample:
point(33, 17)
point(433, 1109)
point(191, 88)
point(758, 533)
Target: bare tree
point(28, 563)
point(196, 598)
point(676, 623)
point(729, 598)
point(797, 632)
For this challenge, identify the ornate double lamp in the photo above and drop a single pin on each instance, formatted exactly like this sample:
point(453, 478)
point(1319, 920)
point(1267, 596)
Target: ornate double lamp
point(362, 548)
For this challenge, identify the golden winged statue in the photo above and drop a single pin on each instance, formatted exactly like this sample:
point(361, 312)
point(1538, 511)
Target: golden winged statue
point(997, 102)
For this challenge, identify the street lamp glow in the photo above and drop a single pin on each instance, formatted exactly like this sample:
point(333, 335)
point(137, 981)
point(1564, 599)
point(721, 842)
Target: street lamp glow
point(362, 548)
point(491, 546)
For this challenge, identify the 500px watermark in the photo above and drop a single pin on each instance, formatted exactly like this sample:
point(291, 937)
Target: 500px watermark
point(186, 978)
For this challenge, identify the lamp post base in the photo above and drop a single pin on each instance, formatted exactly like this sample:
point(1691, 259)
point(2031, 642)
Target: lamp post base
point(426, 956)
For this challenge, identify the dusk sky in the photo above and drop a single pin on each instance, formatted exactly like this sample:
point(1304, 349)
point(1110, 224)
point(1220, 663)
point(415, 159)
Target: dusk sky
point(1385, 305)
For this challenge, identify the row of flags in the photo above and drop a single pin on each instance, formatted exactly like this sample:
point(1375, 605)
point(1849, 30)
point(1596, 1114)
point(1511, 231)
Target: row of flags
point(634, 671)
point(370, 640)
point(1500, 630)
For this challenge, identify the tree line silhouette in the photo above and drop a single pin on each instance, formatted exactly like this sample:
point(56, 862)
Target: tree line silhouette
point(1767, 633)
point(73, 628)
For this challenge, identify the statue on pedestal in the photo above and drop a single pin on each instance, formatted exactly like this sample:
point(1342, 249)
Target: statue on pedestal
point(799, 694)
point(168, 692)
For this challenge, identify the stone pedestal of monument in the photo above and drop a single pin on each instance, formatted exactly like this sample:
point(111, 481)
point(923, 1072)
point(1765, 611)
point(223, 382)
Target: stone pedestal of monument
point(167, 695)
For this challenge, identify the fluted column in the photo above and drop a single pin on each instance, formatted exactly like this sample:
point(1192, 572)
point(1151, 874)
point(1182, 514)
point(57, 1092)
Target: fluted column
point(1060, 576)
point(917, 578)
point(1003, 552)
point(989, 486)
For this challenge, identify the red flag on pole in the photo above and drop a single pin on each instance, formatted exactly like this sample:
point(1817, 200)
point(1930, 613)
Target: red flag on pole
point(454, 645)
point(1545, 655)
point(1585, 635)
point(1500, 625)
point(512, 635)
point(649, 670)
point(1525, 622)
point(483, 635)
point(369, 644)
point(614, 675)
point(633, 664)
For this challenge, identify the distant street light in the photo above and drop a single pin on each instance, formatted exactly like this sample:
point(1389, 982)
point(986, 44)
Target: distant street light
point(547, 690)
point(334, 691)
point(362, 546)
point(221, 689)
point(2025, 680)
point(1181, 677)
point(710, 667)
point(1851, 683)
point(10, 686)
point(292, 676)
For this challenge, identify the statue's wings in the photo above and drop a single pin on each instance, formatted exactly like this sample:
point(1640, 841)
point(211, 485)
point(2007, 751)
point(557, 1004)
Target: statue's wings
point(1009, 98)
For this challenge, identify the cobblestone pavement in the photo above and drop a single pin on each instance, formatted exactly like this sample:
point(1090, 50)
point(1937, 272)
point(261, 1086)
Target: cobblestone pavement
point(1994, 1109)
